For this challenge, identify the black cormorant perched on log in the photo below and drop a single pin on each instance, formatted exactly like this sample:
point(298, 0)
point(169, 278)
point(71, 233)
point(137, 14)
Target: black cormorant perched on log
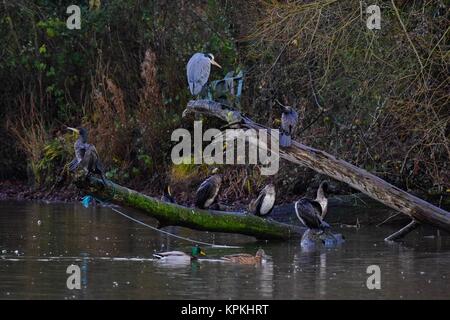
point(263, 205)
point(311, 212)
point(289, 120)
point(208, 190)
point(167, 195)
point(86, 155)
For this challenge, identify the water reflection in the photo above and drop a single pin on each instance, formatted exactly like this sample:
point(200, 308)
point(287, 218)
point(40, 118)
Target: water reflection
point(38, 242)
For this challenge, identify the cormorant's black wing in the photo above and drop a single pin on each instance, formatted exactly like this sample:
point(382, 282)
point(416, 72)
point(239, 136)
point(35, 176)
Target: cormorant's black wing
point(258, 203)
point(307, 214)
point(204, 192)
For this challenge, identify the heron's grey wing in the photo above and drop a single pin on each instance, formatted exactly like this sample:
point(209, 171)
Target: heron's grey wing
point(204, 192)
point(306, 212)
point(198, 70)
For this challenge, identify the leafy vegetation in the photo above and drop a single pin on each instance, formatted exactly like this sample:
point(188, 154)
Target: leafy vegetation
point(376, 98)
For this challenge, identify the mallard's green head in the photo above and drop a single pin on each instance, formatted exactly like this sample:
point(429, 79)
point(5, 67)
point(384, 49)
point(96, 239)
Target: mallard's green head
point(197, 251)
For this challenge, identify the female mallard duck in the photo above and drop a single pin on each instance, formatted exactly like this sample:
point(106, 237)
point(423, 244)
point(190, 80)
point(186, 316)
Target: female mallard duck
point(180, 255)
point(208, 190)
point(86, 155)
point(245, 258)
point(167, 195)
point(263, 205)
point(311, 212)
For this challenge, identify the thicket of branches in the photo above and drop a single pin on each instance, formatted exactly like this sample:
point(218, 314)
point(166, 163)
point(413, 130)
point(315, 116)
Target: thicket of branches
point(377, 98)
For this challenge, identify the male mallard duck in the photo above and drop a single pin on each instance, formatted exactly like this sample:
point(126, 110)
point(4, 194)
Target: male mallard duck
point(86, 155)
point(245, 258)
point(311, 212)
point(180, 255)
point(289, 120)
point(263, 205)
point(167, 195)
point(208, 190)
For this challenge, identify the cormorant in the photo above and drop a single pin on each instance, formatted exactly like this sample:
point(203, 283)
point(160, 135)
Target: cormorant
point(167, 195)
point(197, 71)
point(311, 212)
point(86, 155)
point(289, 120)
point(208, 190)
point(263, 205)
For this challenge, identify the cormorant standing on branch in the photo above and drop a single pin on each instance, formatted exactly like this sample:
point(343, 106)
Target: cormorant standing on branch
point(311, 212)
point(263, 205)
point(167, 195)
point(208, 190)
point(289, 120)
point(86, 155)
point(197, 71)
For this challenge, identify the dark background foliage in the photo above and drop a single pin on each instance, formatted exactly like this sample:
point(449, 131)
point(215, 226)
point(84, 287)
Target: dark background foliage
point(376, 98)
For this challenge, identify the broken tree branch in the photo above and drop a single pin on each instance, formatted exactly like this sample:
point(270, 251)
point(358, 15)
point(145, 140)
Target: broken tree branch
point(324, 163)
point(403, 231)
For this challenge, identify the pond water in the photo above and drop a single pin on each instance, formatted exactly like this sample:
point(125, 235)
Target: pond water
point(39, 241)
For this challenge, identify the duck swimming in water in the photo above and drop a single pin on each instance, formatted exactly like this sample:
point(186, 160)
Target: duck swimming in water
point(208, 190)
point(263, 205)
point(180, 255)
point(245, 258)
point(311, 212)
point(86, 155)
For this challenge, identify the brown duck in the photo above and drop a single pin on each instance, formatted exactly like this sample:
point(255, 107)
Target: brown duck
point(245, 258)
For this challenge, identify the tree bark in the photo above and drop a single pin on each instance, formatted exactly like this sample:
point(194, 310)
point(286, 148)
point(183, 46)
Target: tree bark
point(338, 169)
point(169, 214)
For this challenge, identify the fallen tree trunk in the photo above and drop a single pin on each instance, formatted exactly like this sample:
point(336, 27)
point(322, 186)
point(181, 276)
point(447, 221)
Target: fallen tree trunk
point(324, 163)
point(169, 214)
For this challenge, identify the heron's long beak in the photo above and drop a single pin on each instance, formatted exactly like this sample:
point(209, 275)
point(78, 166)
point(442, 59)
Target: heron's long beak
point(216, 64)
point(74, 130)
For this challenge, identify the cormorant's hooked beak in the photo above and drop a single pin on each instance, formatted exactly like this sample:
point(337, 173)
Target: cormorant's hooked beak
point(73, 129)
point(216, 64)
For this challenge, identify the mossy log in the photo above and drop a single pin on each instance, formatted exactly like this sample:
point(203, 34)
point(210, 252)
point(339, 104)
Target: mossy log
point(169, 214)
point(324, 163)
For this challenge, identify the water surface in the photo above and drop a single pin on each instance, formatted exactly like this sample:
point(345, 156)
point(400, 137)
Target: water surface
point(39, 241)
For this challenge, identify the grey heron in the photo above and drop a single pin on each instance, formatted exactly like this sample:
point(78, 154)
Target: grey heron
point(289, 120)
point(312, 212)
point(263, 205)
point(208, 190)
point(86, 155)
point(198, 69)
